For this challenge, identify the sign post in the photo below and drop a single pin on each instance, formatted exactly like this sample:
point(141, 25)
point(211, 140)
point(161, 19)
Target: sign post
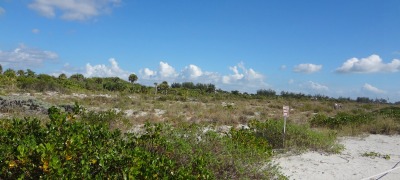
point(285, 115)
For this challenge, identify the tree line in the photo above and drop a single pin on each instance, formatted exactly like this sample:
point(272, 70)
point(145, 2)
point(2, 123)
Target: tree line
point(28, 79)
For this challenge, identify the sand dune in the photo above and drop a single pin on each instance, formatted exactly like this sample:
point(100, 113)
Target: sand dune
point(350, 164)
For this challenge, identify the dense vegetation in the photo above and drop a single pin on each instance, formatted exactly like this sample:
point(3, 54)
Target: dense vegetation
point(382, 121)
point(70, 146)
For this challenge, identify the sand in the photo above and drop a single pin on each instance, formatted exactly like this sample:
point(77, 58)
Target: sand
point(349, 164)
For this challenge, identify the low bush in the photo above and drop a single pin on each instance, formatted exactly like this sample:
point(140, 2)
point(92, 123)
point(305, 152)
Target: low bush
point(237, 154)
point(341, 119)
point(297, 138)
point(382, 121)
point(386, 126)
point(68, 147)
point(390, 112)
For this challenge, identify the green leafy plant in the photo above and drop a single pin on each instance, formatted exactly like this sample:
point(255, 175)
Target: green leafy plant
point(375, 154)
point(69, 148)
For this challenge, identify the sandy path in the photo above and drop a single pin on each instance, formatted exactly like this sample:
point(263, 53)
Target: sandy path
point(350, 164)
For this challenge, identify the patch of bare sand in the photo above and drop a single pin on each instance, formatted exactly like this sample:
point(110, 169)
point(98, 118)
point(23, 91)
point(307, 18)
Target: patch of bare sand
point(350, 164)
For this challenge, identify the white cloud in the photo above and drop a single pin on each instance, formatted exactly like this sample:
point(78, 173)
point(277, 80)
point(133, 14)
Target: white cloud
point(291, 81)
point(370, 88)
point(253, 75)
point(192, 72)
point(283, 67)
point(2, 11)
point(25, 57)
point(234, 77)
point(307, 68)
point(242, 77)
point(209, 77)
point(316, 86)
point(166, 71)
point(370, 64)
point(102, 70)
point(35, 31)
point(146, 73)
point(73, 9)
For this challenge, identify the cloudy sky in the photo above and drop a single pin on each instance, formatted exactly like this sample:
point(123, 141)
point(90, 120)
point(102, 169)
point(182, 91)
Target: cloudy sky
point(336, 48)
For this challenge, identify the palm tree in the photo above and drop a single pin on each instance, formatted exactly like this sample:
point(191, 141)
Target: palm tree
point(77, 77)
point(62, 76)
point(30, 73)
point(164, 87)
point(21, 73)
point(10, 73)
point(133, 78)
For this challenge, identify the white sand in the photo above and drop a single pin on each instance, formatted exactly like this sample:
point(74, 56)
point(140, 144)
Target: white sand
point(350, 164)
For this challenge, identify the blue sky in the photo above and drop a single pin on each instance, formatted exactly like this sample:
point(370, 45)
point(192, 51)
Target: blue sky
point(336, 48)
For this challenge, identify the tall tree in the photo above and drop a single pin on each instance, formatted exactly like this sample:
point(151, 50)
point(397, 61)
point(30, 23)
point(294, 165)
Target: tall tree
point(62, 76)
point(10, 73)
point(11, 77)
point(77, 77)
point(21, 73)
point(164, 87)
point(1, 69)
point(133, 78)
point(30, 73)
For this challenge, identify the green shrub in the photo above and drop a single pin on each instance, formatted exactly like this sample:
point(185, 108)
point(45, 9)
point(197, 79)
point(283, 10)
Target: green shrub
point(298, 137)
point(101, 117)
point(389, 112)
point(236, 155)
point(341, 119)
point(69, 149)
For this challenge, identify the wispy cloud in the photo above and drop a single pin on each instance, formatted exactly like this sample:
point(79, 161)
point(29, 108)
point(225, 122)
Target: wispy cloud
point(283, 67)
point(35, 31)
point(307, 68)
point(2, 11)
point(316, 86)
point(373, 89)
point(73, 9)
point(25, 57)
point(371, 64)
